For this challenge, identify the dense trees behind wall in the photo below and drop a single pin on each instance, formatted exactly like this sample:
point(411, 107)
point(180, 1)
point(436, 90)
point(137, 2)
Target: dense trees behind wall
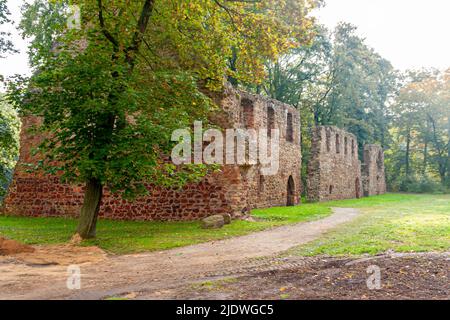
point(9, 122)
point(418, 157)
point(9, 143)
point(339, 80)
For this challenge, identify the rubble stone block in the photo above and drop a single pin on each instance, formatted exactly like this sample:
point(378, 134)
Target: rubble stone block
point(213, 222)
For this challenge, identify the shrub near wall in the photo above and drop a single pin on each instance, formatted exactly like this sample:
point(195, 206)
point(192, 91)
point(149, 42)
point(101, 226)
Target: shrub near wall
point(414, 184)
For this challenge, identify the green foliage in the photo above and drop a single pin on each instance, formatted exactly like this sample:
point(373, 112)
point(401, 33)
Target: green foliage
point(361, 83)
point(6, 45)
point(414, 184)
point(419, 155)
point(202, 36)
point(290, 77)
point(338, 80)
point(9, 142)
point(42, 22)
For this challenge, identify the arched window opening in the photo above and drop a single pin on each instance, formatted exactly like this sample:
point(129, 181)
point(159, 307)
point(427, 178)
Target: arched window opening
point(380, 161)
point(289, 129)
point(261, 184)
point(328, 137)
point(345, 146)
point(357, 188)
point(353, 147)
point(338, 144)
point(291, 192)
point(247, 110)
point(270, 121)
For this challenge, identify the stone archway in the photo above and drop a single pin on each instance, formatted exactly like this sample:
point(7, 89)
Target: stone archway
point(358, 188)
point(290, 192)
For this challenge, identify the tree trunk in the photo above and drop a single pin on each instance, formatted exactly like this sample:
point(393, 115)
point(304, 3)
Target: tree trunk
point(425, 158)
point(233, 60)
point(94, 189)
point(448, 153)
point(408, 144)
point(91, 207)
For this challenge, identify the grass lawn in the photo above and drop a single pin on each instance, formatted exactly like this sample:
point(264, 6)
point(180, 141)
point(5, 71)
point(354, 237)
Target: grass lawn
point(122, 237)
point(399, 222)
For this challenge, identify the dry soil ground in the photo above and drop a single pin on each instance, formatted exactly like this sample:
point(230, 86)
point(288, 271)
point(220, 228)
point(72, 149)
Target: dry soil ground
point(406, 276)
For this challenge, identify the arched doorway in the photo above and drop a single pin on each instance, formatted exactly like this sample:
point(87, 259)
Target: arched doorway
point(290, 192)
point(358, 188)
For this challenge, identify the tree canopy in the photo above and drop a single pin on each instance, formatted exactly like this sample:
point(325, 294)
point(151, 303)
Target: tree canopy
point(6, 45)
point(420, 151)
point(339, 80)
point(336, 80)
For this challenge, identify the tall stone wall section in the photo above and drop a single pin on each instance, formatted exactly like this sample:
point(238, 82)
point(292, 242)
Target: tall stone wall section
point(374, 177)
point(233, 190)
point(334, 171)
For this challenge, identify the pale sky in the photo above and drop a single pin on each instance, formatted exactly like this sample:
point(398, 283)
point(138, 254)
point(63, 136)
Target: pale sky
point(409, 33)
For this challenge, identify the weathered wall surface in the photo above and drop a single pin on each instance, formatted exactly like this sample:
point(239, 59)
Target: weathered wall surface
point(268, 191)
point(46, 196)
point(234, 190)
point(334, 171)
point(373, 171)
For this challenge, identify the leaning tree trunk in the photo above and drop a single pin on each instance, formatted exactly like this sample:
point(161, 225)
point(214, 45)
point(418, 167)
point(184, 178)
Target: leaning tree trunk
point(91, 207)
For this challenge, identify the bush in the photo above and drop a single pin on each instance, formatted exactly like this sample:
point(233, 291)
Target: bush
point(412, 184)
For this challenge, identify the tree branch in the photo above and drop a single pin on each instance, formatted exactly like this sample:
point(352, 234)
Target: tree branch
point(105, 32)
point(140, 30)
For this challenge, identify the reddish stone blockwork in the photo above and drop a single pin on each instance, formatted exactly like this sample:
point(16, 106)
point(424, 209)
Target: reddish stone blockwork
point(335, 171)
point(234, 190)
point(374, 180)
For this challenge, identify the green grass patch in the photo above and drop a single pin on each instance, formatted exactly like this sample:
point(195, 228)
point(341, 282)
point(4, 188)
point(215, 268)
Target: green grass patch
point(121, 237)
point(215, 285)
point(399, 222)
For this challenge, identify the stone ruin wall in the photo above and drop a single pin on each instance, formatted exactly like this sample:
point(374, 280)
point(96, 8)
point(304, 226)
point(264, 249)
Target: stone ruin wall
point(334, 171)
point(373, 171)
point(234, 190)
point(268, 191)
point(33, 194)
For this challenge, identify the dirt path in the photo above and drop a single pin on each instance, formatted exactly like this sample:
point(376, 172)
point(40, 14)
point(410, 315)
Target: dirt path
point(152, 273)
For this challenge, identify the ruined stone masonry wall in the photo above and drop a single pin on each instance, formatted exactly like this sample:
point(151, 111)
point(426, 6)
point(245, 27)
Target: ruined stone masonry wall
point(268, 191)
point(46, 196)
point(334, 171)
point(374, 177)
point(234, 190)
